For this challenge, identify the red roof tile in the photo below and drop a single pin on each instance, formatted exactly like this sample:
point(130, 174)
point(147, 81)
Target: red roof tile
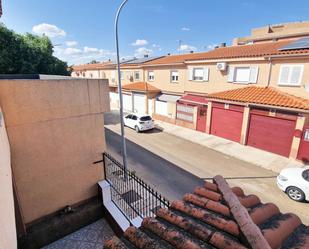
point(263, 96)
point(242, 51)
point(140, 86)
point(217, 216)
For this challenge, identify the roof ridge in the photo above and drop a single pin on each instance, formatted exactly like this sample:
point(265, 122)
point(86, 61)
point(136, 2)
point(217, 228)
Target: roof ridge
point(249, 229)
point(302, 100)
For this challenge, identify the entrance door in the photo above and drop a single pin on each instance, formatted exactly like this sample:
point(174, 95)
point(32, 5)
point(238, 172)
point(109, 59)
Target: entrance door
point(201, 118)
point(303, 152)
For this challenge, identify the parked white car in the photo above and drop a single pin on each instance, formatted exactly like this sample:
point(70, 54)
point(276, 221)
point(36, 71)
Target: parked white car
point(295, 183)
point(138, 122)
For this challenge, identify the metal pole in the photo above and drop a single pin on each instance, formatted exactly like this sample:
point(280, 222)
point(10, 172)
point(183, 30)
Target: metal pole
point(124, 147)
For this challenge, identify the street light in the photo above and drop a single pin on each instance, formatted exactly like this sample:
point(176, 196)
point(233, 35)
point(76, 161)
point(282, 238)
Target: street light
point(124, 147)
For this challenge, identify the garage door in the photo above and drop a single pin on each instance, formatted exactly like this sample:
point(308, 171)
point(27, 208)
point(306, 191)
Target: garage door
point(226, 123)
point(127, 102)
point(139, 103)
point(272, 134)
point(150, 107)
point(161, 108)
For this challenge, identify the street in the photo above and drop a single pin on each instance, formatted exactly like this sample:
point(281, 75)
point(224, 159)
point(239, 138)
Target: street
point(175, 166)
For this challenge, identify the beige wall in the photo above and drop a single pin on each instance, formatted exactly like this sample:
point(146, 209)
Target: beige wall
point(162, 78)
point(217, 79)
point(295, 90)
point(56, 132)
point(7, 214)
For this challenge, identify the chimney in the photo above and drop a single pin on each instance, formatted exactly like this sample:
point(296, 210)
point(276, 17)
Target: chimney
point(145, 55)
point(168, 53)
point(191, 52)
point(222, 45)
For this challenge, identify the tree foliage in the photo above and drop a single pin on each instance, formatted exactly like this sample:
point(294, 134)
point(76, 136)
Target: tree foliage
point(28, 54)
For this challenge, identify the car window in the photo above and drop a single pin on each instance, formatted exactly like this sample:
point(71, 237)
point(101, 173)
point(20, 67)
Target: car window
point(145, 118)
point(129, 116)
point(134, 117)
point(306, 175)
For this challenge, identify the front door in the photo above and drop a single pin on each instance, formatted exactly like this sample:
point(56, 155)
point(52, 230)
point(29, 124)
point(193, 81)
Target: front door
point(201, 118)
point(303, 152)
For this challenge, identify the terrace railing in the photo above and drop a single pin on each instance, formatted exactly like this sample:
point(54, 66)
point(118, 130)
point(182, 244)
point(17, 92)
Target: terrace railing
point(131, 194)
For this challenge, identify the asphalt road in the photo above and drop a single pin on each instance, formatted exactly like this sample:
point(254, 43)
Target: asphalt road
point(155, 154)
point(168, 179)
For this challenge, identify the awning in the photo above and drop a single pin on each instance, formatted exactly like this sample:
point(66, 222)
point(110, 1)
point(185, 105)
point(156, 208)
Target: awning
point(168, 98)
point(194, 99)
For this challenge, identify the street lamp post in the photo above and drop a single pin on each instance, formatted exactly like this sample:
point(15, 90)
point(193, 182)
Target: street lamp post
point(124, 148)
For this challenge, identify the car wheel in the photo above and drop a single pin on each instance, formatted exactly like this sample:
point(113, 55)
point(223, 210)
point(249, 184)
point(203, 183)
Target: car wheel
point(136, 129)
point(295, 193)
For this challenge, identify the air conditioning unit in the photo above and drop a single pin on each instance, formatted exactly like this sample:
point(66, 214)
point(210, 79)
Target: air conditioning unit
point(221, 66)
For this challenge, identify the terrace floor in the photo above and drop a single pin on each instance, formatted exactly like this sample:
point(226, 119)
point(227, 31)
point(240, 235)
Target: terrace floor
point(92, 236)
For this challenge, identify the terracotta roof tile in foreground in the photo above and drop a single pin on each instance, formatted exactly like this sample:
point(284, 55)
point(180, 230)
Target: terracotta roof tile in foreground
point(141, 87)
point(263, 96)
point(217, 216)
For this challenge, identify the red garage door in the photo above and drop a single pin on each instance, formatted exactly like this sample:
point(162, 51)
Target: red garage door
point(226, 121)
point(273, 134)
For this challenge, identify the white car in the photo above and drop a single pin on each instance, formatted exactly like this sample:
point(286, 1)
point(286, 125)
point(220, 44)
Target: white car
point(295, 183)
point(138, 122)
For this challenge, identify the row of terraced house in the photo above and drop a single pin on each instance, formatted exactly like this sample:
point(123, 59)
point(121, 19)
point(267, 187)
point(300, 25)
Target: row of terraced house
point(255, 92)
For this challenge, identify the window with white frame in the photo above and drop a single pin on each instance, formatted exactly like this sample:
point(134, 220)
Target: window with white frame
point(199, 74)
point(136, 75)
point(243, 75)
point(174, 76)
point(122, 75)
point(113, 76)
point(291, 75)
point(150, 75)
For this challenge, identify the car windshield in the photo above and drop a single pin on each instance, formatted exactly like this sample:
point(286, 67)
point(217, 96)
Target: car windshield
point(306, 175)
point(145, 118)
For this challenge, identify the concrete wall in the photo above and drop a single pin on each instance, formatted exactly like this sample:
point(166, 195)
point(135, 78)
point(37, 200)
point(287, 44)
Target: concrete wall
point(56, 132)
point(7, 214)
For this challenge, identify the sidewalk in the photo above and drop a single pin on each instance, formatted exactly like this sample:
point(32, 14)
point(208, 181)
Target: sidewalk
point(248, 154)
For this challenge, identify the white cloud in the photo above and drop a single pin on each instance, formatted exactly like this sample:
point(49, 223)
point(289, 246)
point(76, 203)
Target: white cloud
point(79, 56)
point(186, 48)
point(211, 46)
point(71, 43)
point(185, 29)
point(48, 30)
point(140, 52)
point(139, 42)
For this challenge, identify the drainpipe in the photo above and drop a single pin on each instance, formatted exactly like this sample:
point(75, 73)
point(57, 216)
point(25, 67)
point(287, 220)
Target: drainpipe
point(123, 140)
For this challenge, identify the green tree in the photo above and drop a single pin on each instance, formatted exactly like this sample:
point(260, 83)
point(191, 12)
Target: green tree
point(26, 54)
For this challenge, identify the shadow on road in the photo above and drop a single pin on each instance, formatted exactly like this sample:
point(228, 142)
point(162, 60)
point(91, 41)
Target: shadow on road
point(245, 177)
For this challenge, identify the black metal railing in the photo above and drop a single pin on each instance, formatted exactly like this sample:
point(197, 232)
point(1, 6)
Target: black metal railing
point(131, 194)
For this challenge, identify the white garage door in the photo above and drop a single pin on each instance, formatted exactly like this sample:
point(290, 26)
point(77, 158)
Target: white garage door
point(114, 100)
point(161, 108)
point(139, 103)
point(127, 102)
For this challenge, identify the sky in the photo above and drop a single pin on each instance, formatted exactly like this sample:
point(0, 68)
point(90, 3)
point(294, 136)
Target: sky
point(82, 31)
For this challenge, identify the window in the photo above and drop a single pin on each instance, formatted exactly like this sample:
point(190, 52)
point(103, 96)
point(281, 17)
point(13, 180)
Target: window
point(199, 74)
point(113, 76)
point(136, 75)
point(151, 76)
point(134, 117)
point(291, 75)
point(145, 118)
point(305, 175)
point(306, 137)
point(243, 75)
point(174, 76)
point(122, 75)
